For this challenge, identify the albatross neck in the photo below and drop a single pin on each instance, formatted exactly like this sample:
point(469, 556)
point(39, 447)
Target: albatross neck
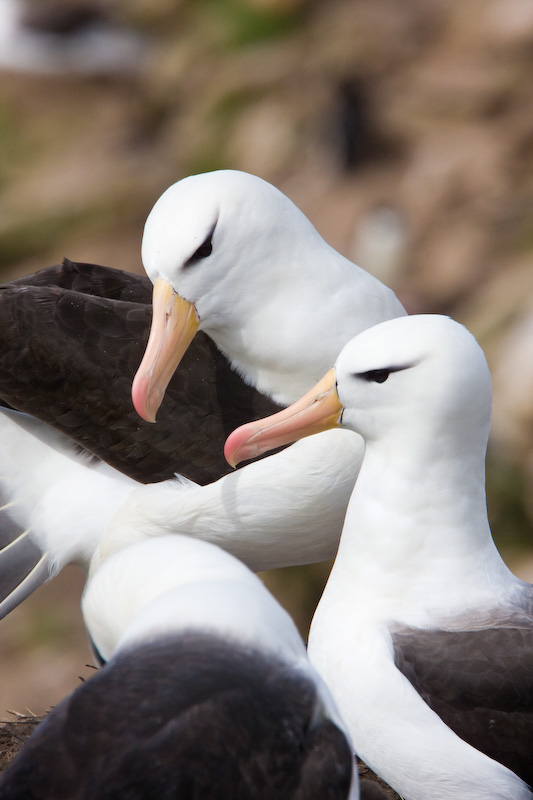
point(416, 535)
point(287, 337)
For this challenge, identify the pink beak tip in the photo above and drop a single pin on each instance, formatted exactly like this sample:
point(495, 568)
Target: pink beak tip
point(234, 443)
point(140, 398)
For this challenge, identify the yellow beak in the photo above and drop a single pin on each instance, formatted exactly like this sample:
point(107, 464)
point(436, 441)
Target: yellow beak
point(318, 410)
point(174, 323)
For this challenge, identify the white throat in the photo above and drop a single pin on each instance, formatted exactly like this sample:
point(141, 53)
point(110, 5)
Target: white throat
point(416, 546)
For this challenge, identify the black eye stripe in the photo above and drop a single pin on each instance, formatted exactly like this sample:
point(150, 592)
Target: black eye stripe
point(375, 375)
point(205, 250)
point(379, 375)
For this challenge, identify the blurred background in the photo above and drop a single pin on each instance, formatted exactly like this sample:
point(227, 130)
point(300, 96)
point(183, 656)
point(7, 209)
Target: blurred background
point(403, 130)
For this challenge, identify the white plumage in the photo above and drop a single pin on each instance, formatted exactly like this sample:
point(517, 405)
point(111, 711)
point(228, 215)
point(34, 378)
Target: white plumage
point(59, 507)
point(420, 616)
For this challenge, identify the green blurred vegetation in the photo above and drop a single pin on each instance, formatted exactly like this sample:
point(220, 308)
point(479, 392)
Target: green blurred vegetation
point(234, 23)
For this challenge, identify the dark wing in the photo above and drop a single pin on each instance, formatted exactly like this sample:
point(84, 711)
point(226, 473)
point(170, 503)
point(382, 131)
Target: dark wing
point(68, 354)
point(481, 685)
point(194, 717)
point(91, 279)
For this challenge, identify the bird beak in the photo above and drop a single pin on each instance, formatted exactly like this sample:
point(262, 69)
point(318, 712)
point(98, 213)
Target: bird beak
point(318, 410)
point(174, 323)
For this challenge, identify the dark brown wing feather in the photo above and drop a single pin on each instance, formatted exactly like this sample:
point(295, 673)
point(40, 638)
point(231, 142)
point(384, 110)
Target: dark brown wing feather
point(93, 279)
point(71, 339)
point(480, 683)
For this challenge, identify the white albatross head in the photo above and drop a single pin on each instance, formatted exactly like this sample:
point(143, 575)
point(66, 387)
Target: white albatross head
point(418, 378)
point(230, 254)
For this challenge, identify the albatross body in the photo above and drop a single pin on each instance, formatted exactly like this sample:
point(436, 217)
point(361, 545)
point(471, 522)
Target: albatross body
point(206, 691)
point(59, 506)
point(423, 635)
point(266, 304)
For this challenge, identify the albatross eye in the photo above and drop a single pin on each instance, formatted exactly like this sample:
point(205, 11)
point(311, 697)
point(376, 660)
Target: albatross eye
point(375, 375)
point(205, 250)
point(380, 375)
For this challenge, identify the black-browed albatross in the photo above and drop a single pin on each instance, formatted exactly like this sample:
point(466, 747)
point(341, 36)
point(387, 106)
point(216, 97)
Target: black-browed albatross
point(206, 691)
point(423, 635)
point(274, 298)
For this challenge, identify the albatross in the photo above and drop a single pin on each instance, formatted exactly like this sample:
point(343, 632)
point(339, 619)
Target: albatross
point(231, 256)
point(423, 635)
point(265, 305)
point(205, 691)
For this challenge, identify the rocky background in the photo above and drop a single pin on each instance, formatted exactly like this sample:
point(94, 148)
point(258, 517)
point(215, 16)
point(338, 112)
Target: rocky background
point(404, 130)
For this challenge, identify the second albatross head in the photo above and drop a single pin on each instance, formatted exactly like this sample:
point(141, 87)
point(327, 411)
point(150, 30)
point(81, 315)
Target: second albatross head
point(406, 381)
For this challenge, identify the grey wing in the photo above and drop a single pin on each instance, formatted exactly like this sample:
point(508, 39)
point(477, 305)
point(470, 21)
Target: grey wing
point(30, 453)
point(23, 566)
